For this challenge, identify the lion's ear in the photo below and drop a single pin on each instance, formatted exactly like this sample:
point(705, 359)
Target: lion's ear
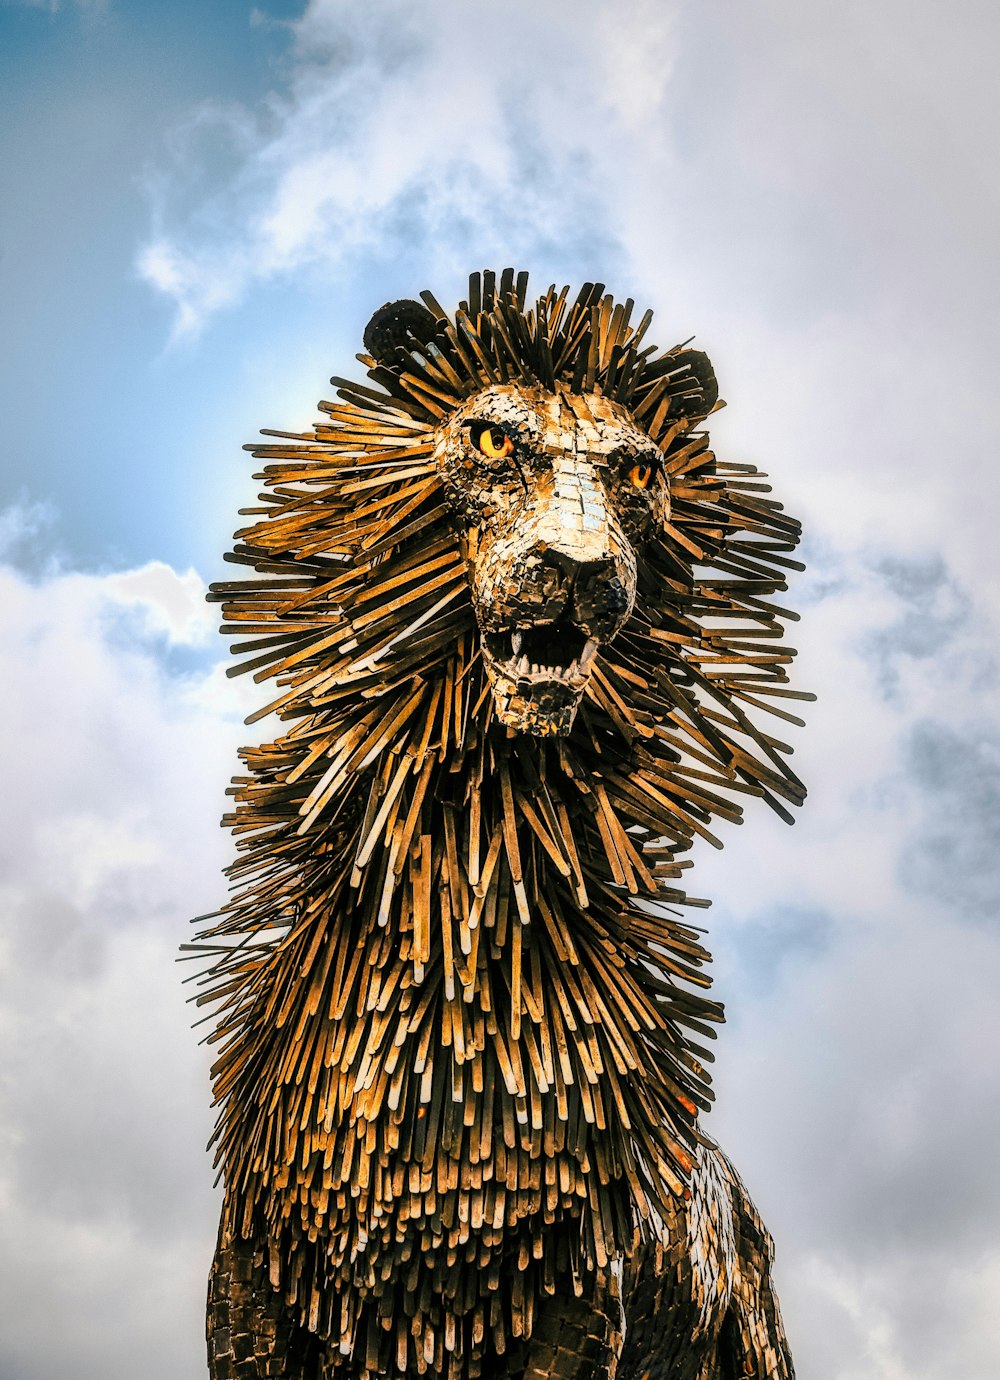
point(696, 391)
point(395, 326)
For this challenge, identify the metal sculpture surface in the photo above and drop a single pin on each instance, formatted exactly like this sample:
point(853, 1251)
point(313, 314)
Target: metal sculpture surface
point(520, 618)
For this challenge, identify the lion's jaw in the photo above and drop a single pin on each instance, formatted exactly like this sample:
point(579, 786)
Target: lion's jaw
point(550, 534)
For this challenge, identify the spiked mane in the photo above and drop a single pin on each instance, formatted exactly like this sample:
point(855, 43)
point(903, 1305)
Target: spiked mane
point(450, 1011)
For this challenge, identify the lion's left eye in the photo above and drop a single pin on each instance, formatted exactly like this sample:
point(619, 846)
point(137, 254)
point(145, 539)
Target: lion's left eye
point(641, 475)
point(493, 442)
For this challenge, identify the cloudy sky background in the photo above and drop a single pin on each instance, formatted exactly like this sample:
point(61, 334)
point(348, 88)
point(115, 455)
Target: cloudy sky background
point(201, 206)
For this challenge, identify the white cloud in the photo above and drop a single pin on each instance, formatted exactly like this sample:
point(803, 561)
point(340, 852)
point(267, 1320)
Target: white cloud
point(433, 126)
point(865, 1308)
point(633, 52)
point(170, 603)
point(113, 783)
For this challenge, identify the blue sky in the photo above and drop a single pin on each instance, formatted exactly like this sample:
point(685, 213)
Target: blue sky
point(93, 98)
point(202, 204)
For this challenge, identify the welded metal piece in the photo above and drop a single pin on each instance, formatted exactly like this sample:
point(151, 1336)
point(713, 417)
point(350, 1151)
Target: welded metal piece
point(519, 618)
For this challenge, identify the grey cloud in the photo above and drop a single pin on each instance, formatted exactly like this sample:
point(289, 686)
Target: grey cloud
point(906, 1319)
point(761, 950)
point(46, 931)
point(934, 608)
point(108, 1213)
point(956, 855)
point(858, 1089)
point(859, 1095)
point(26, 535)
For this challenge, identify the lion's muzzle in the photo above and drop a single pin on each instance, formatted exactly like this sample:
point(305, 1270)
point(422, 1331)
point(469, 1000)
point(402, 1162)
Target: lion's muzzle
point(550, 583)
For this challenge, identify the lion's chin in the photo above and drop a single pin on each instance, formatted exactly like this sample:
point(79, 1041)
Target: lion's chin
point(542, 702)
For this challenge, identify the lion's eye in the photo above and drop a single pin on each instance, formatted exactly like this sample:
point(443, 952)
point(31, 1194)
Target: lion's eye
point(493, 442)
point(641, 475)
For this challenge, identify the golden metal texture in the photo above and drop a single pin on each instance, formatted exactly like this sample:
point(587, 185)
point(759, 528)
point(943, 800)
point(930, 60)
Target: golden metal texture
point(520, 622)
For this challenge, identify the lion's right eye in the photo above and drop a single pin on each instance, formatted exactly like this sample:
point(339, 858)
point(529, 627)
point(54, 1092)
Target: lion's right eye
point(493, 442)
point(641, 476)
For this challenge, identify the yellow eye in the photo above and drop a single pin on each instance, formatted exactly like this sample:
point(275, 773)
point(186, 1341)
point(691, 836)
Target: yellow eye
point(641, 476)
point(493, 442)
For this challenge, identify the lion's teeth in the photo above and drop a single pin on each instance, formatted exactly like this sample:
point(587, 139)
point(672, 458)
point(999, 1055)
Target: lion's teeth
point(521, 666)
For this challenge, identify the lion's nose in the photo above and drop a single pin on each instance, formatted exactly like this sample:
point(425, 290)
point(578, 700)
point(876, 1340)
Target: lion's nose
point(616, 597)
point(577, 569)
point(593, 592)
point(600, 597)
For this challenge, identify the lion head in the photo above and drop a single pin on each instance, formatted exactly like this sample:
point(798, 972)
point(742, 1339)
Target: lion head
point(560, 491)
point(557, 489)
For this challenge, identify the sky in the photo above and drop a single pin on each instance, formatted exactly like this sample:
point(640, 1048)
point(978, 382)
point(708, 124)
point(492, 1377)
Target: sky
point(202, 205)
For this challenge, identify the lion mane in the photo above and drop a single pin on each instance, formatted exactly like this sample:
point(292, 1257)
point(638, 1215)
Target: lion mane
point(459, 1018)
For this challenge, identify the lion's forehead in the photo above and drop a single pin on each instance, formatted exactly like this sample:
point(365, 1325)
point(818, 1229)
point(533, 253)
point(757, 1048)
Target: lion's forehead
point(557, 424)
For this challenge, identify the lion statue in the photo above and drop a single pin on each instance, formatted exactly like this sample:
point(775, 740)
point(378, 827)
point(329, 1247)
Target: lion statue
point(520, 620)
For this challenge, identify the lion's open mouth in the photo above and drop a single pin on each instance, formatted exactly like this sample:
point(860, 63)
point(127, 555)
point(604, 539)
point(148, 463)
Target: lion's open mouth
point(553, 652)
